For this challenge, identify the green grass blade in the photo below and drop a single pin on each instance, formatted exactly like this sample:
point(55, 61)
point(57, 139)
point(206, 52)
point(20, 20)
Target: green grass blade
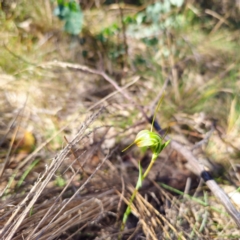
point(28, 170)
point(157, 108)
point(140, 177)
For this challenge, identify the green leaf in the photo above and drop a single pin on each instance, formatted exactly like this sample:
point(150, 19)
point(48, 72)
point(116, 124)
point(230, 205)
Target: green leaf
point(129, 19)
point(71, 13)
point(60, 181)
point(140, 18)
point(73, 24)
point(28, 170)
point(154, 11)
point(31, 212)
point(165, 144)
point(150, 41)
point(61, 11)
point(177, 3)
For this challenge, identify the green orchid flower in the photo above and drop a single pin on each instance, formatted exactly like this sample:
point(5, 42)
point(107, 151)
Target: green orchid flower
point(152, 140)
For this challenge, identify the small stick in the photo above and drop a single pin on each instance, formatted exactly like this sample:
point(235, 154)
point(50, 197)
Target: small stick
point(74, 154)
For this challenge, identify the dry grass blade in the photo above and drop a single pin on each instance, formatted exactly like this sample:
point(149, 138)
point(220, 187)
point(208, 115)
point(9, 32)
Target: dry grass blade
point(51, 209)
point(15, 221)
point(74, 195)
point(8, 154)
point(11, 144)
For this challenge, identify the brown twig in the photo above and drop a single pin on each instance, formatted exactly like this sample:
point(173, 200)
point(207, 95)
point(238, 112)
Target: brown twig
point(173, 69)
point(76, 157)
point(205, 139)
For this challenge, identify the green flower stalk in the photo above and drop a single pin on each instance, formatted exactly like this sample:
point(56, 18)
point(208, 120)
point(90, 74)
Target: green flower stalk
point(145, 138)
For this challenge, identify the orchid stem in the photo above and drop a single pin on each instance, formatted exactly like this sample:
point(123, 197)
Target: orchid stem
point(128, 210)
point(149, 168)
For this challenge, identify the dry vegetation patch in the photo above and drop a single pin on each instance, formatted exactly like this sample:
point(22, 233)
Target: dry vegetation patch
point(70, 105)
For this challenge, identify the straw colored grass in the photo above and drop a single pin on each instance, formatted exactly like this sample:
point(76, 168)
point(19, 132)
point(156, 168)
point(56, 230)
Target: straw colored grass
point(66, 117)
